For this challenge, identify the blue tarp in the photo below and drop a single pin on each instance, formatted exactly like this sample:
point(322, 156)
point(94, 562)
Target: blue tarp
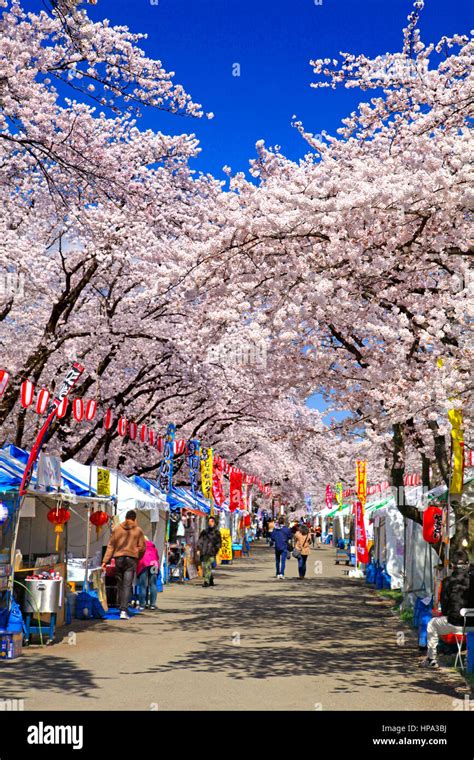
point(12, 465)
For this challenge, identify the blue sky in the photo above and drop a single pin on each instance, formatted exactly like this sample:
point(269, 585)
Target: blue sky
point(273, 41)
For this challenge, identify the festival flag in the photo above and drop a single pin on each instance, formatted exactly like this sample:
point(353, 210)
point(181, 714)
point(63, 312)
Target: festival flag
point(165, 474)
point(206, 472)
point(457, 435)
point(361, 536)
point(361, 481)
point(235, 496)
point(328, 497)
point(193, 450)
point(338, 494)
point(217, 482)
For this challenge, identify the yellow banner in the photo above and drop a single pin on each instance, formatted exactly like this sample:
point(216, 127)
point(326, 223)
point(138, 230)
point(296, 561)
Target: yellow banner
point(103, 482)
point(338, 494)
point(225, 551)
point(457, 436)
point(361, 481)
point(206, 473)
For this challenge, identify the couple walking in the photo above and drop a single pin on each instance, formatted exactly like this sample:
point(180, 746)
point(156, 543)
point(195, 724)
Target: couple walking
point(284, 541)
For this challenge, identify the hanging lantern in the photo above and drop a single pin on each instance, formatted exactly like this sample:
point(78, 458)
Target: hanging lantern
point(27, 392)
point(432, 524)
point(62, 408)
point(4, 378)
point(58, 517)
point(108, 419)
point(78, 409)
point(99, 519)
point(122, 426)
point(151, 437)
point(132, 430)
point(42, 401)
point(160, 444)
point(91, 410)
point(143, 433)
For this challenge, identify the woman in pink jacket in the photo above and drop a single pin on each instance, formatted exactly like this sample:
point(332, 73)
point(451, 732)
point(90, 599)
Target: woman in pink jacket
point(147, 575)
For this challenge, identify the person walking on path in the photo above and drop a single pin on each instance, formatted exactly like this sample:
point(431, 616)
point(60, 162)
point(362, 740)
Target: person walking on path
point(281, 538)
point(302, 549)
point(457, 592)
point(209, 543)
point(147, 576)
point(126, 545)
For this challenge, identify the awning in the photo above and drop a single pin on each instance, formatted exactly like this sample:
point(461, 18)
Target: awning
point(12, 465)
point(126, 493)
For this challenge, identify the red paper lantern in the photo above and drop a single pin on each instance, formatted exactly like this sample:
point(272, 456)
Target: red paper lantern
point(108, 419)
point(122, 426)
point(432, 524)
point(91, 409)
point(132, 430)
point(143, 433)
point(58, 517)
point(62, 408)
point(78, 409)
point(99, 519)
point(27, 392)
point(42, 401)
point(4, 378)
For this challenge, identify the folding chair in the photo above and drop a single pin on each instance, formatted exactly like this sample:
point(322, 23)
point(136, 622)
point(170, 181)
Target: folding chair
point(461, 637)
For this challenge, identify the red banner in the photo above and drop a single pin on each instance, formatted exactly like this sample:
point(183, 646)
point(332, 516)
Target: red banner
point(328, 497)
point(217, 484)
point(361, 537)
point(235, 496)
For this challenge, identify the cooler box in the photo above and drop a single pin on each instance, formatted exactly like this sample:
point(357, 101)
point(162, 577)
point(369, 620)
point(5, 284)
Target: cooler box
point(43, 596)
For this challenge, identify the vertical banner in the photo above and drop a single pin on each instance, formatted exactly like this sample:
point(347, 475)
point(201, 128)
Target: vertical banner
point(361, 481)
point(206, 472)
point(309, 505)
point(218, 483)
point(165, 474)
point(338, 495)
point(235, 496)
point(361, 537)
point(457, 473)
point(328, 496)
point(193, 464)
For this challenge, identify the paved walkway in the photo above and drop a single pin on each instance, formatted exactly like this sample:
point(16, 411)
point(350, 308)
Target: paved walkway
point(252, 642)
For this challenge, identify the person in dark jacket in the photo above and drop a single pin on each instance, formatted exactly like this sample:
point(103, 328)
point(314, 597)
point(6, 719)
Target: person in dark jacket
point(457, 592)
point(208, 545)
point(281, 538)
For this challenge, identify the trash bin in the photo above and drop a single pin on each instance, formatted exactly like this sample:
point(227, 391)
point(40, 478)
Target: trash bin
point(43, 595)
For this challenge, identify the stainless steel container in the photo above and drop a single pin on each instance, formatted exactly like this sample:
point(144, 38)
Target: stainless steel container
point(43, 595)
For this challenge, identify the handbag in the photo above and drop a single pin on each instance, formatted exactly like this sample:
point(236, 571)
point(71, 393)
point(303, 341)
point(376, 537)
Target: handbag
point(296, 552)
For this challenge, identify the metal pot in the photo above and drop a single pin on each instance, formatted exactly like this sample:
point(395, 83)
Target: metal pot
point(43, 595)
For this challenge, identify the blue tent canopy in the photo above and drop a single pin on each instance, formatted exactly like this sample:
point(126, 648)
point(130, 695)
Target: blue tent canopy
point(12, 465)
